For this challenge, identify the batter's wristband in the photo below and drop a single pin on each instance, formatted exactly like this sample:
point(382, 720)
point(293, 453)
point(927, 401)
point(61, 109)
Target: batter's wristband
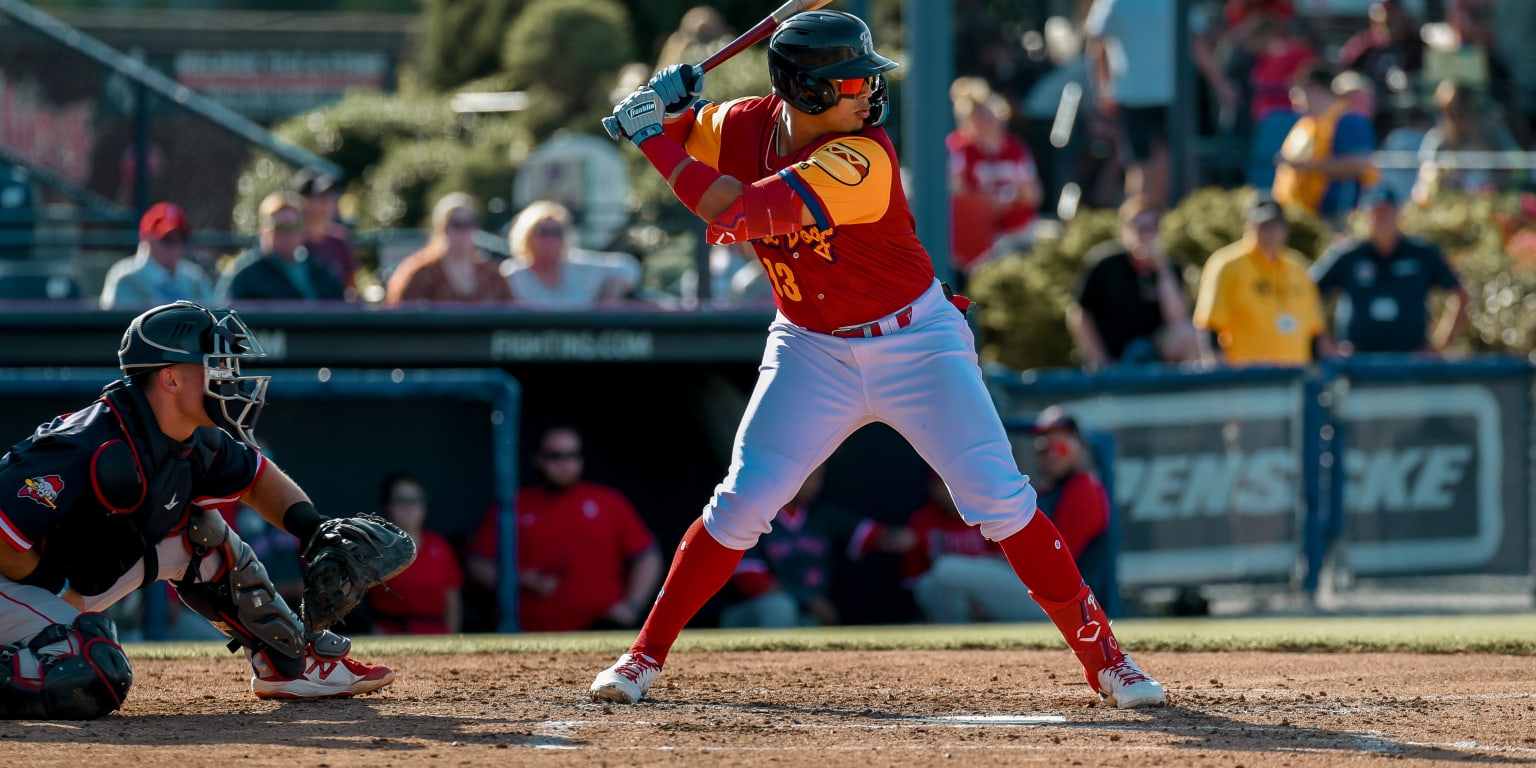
point(692, 182)
point(302, 520)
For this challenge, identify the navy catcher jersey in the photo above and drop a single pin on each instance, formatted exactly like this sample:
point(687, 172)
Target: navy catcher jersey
point(94, 491)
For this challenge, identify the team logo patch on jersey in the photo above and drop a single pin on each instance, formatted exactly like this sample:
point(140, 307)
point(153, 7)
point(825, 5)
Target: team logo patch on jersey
point(43, 489)
point(842, 163)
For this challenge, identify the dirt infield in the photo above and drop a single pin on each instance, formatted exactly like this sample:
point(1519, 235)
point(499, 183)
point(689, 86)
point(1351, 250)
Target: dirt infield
point(826, 708)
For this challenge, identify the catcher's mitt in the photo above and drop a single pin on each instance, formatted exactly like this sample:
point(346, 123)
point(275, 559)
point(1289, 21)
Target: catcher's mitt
point(347, 557)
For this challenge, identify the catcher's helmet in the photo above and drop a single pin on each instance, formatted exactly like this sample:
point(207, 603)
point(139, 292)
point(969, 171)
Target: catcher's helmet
point(186, 332)
point(812, 49)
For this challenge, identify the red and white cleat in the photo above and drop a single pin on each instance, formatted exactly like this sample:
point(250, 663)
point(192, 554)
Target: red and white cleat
point(324, 678)
point(1124, 685)
point(627, 680)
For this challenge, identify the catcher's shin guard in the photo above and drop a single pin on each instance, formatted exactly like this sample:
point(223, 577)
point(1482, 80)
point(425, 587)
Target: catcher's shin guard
point(86, 681)
point(1082, 622)
point(240, 599)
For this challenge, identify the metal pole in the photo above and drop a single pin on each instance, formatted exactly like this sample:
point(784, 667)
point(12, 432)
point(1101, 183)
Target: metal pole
point(140, 148)
point(1183, 165)
point(926, 120)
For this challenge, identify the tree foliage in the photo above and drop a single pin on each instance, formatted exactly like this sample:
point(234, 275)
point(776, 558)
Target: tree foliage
point(462, 40)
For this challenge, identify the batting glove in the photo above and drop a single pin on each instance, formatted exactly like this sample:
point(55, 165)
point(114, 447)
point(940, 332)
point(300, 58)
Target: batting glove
point(679, 86)
point(639, 115)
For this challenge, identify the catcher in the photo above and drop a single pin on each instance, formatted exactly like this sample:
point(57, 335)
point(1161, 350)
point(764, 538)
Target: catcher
point(124, 492)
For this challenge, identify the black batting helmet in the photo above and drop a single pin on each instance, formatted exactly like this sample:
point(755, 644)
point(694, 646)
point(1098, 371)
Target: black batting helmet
point(814, 48)
point(187, 332)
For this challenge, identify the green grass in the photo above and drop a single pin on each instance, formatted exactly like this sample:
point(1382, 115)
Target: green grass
point(1513, 634)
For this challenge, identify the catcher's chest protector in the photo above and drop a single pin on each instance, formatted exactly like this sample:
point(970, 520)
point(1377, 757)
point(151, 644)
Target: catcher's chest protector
point(140, 484)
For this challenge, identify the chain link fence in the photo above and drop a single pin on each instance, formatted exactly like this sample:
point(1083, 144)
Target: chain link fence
point(89, 138)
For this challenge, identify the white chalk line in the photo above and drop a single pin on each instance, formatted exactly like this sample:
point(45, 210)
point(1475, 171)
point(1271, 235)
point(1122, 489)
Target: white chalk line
point(558, 734)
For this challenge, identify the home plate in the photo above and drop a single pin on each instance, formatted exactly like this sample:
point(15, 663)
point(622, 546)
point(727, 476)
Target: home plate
point(994, 719)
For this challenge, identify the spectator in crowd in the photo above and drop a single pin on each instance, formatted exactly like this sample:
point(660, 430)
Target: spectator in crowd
point(1356, 91)
point(160, 272)
point(547, 272)
point(993, 182)
point(1075, 499)
point(1462, 126)
point(425, 599)
point(1326, 158)
point(326, 239)
point(1390, 52)
point(278, 268)
point(786, 579)
point(1256, 299)
point(1461, 49)
point(1129, 304)
point(449, 268)
point(1280, 56)
point(701, 27)
point(956, 575)
point(585, 559)
point(1129, 41)
point(1384, 283)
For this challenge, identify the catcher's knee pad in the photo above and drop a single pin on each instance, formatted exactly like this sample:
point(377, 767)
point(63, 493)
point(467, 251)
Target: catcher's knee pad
point(241, 601)
point(87, 681)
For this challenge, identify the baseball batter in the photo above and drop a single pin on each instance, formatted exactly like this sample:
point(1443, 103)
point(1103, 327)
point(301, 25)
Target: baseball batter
point(123, 493)
point(863, 333)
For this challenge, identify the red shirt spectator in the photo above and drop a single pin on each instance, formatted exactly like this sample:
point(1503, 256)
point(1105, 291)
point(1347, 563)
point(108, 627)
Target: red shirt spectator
point(937, 531)
point(417, 605)
point(427, 598)
point(1279, 59)
point(584, 557)
point(1238, 11)
point(580, 538)
point(994, 183)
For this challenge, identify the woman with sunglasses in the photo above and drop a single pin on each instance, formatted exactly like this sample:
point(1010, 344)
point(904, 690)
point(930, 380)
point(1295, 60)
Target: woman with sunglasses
point(548, 271)
point(449, 268)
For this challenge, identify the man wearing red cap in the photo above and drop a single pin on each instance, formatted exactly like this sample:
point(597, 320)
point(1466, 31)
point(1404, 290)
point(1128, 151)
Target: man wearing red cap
point(159, 273)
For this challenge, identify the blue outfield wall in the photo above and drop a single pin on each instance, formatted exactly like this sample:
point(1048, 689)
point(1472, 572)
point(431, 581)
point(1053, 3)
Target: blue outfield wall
point(1234, 475)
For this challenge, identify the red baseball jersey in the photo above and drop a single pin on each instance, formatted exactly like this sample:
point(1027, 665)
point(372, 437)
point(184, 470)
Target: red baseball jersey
point(939, 533)
point(584, 537)
point(861, 260)
point(417, 607)
point(996, 176)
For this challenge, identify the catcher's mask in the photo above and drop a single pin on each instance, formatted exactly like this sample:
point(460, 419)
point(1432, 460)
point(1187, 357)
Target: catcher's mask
point(186, 332)
point(813, 52)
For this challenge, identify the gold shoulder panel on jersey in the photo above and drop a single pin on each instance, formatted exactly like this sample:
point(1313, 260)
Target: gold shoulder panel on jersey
point(852, 178)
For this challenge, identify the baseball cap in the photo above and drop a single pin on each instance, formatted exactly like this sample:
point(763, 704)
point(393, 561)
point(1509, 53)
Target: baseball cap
point(309, 182)
point(162, 219)
point(1378, 195)
point(1054, 419)
point(1265, 210)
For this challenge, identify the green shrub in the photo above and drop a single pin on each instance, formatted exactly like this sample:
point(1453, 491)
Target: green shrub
point(565, 55)
point(462, 40)
point(1502, 314)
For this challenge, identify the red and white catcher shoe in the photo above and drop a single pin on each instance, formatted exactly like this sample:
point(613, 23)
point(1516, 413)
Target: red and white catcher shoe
point(323, 678)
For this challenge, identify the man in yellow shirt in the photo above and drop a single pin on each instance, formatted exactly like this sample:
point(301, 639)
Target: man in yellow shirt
point(1257, 300)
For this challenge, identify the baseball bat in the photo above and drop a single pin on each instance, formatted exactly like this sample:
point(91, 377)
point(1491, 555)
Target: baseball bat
point(745, 40)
